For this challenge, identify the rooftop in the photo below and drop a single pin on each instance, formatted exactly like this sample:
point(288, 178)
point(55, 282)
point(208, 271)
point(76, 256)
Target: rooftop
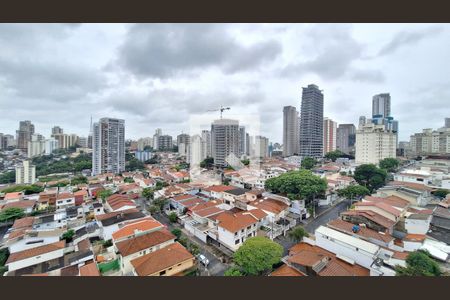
point(36, 251)
point(136, 226)
point(145, 241)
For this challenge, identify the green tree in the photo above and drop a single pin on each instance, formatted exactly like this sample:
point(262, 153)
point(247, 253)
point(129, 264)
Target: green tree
point(173, 217)
point(258, 255)
point(226, 181)
point(233, 271)
point(419, 263)
point(441, 193)
point(302, 184)
point(68, 235)
point(79, 180)
point(333, 155)
point(389, 164)
point(160, 203)
point(176, 232)
point(298, 233)
point(308, 163)
point(207, 163)
point(128, 180)
point(353, 191)
point(246, 162)
point(11, 214)
point(8, 177)
point(194, 249)
point(148, 193)
point(104, 194)
point(134, 164)
point(153, 209)
point(370, 176)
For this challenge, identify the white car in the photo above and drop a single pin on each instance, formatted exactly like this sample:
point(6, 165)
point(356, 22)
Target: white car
point(203, 260)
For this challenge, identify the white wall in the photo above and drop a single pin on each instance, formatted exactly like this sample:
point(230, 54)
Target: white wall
point(415, 226)
point(17, 265)
point(22, 244)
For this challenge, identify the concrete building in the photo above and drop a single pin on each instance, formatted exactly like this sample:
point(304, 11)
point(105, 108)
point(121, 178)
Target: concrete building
point(224, 140)
point(10, 140)
point(57, 130)
point(183, 141)
point(50, 146)
point(36, 146)
point(311, 122)
point(345, 138)
point(291, 134)
point(381, 105)
point(108, 146)
point(144, 142)
point(196, 151)
point(143, 155)
point(25, 173)
point(242, 141)
point(247, 143)
point(329, 135)
point(431, 142)
point(26, 130)
point(261, 147)
point(206, 139)
point(158, 132)
point(165, 142)
point(82, 141)
point(66, 140)
point(374, 143)
point(447, 122)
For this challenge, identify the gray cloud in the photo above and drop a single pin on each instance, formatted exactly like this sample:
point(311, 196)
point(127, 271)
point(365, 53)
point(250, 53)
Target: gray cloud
point(164, 50)
point(405, 38)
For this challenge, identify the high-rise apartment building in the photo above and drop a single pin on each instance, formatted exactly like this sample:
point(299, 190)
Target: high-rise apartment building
point(82, 141)
point(311, 122)
point(362, 122)
point(430, 142)
point(57, 130)
point(291, 134)
point(261, 147)
point(158, 132)
point(144, 142)
point(2, 141)
point(224, 140)
point(26, 130)
point(242, 141)
point(206, 139)
point(108, 146)
point(183, 141)
point(374, 143)
point(447, 123)
point(50, 146)
point(381, 105)
point(66, 140)
point(36, 147)
point(196, 151)
point(329, 135)
point(247, 144)
point(165, 142)
point(345, 138)
point(25, 173)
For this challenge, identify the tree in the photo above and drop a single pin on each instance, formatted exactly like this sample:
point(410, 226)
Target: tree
point(370, 176)
point(68, 235)
point(298, 233)
point(153, 209)
point(226, 181)
point(207, 163)
point(176, 232)
point(389, 164)
point(353, 191)
point(257, 255)
point(11, 214)
point(134, 164)
point(8, 177)
point(104, 194)
point(333, 155)
point(160, 203)
point(441, 193)
point(302, 184)
point(233, 271)
point(419, 263)
point(148, 193)
point(173, 217)
point(128, 180)
point(246, 162)
point(79, 180)
point(308, 163)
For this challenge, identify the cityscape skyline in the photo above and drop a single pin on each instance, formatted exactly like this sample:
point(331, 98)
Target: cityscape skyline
point(115, 81)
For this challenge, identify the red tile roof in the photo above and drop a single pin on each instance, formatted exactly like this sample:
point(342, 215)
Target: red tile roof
point(23, 223)
point(219, 188)
point(347, 227)
point(20, 204)
point(383, 206)
point(145, 241)
point(16, 256)
point(234, 222)
point(370, 215)
point(286, 270)
point(136, 226)
point(89, 270)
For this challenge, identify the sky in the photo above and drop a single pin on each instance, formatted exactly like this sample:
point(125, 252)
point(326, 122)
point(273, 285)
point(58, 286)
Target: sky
point(169, 76)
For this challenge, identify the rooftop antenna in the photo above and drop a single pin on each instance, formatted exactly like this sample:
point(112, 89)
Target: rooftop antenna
point(221, 109)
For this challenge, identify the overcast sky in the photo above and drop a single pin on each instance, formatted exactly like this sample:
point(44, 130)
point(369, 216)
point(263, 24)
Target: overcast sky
point(163, 75)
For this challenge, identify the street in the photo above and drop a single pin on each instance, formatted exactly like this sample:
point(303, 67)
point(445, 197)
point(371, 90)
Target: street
point(215, 267)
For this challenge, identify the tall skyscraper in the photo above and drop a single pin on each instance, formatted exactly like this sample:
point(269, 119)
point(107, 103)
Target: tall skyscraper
point(108, 146)
point(242, 141)
point(158, 132)
point(26, 130)
point(311, 122)
point(183, 141)
point(447, 122)
point(206, 139)
point(374, 143)
point(224, 140)
point(247, 144)
point(196, 151)
point(2, 141)
point(329, 135)
point(165, 142)
point(381, 105)
point(345, 138)
point(25, 173)
point(362, 122)
point(36, 147)
point(50, 146)
point(291, 132)
point(89, 142)
point(57, 130)
point(261, 147)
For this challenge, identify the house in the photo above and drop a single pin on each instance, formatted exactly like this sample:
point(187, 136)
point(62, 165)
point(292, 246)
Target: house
point(230, 196)
point(418, 221)
point(370, 219)
point(81, 196)
point(31, 239)
point(118, 202)
point(146, 182)
point(168, 261)
point(13, 197)
point(132, 188)
point(440, 225)
point(89, 269)
point(141, 245)
point(417, 194)
point(111, 222)
point(64, 200)
point(380, 208)
point(50, 221)
point(98, 208)
point(216, 191)
point(26, 205)
point(286, 270)
point(36, 255)
point(182, 203)
point(136, 228)
point(234, 228)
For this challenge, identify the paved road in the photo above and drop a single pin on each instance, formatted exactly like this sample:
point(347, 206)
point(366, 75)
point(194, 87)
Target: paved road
point(215, 267)
point(331, 214)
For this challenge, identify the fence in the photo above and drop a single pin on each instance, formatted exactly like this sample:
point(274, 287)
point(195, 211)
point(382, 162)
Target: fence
point(109, 266)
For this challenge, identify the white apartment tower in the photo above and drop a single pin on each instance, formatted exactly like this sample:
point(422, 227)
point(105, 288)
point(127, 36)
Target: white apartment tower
point(329, 135)
point(206, 139)
point(108, 146)
point(25, 173)
point(224, 140)
point(291, 133)
point(374, 143)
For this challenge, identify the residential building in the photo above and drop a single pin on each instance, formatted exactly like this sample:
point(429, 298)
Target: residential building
point(158, 132)
point(311, 122)
point(23, 135)
point(291, 134)
point(66, 140)
point(108, 146)
point(247, 144)
point(143, 155)
point(447, 123)
point(431, 142)
point(224, 140)
point(374, 143)
point(183, 141)
point(261, 147)
point(10, 140)
point(144, 142)
point(82, 142)
point(57, 130)
point(25, 173)
point(381, 105)
point(329, 135)
point(242, 141)
point(206, 140)
point(196, 151)
point(36, 146)
point(50, 146)
point(345, 138)
point(165, 143)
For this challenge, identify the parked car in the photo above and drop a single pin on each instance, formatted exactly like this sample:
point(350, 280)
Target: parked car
point(203, 260)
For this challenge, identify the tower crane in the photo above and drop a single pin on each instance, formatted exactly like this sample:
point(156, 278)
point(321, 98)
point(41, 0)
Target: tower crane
point(221, 110)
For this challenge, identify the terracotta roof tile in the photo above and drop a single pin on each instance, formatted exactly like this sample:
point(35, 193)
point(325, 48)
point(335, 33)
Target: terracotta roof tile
point(347, 227)
point(286, 270)
point(36, 251)
point(137, 226)
point(89, 270)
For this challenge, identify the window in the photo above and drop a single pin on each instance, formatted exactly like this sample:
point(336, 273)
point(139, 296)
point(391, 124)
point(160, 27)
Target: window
point(235, 234)
point(68, 200)
point(162, 273)
point(249, 227)
point(242, 230)
point(236, 242)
